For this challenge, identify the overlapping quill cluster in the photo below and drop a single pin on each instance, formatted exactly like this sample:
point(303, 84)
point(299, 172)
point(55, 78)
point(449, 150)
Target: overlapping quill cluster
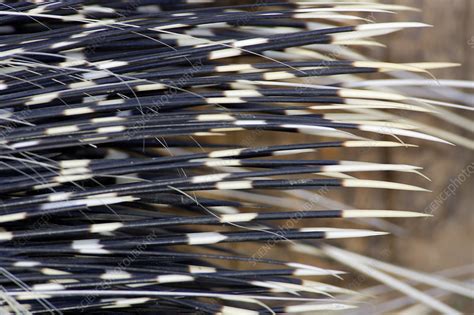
point(123, 172)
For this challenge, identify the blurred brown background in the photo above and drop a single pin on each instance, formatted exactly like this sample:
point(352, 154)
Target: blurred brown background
point(445, 240)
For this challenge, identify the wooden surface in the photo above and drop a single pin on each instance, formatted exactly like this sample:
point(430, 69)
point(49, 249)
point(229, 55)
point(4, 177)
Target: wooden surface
point(446, 240)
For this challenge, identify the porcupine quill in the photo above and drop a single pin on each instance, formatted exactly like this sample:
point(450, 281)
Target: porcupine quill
point(116, 196)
